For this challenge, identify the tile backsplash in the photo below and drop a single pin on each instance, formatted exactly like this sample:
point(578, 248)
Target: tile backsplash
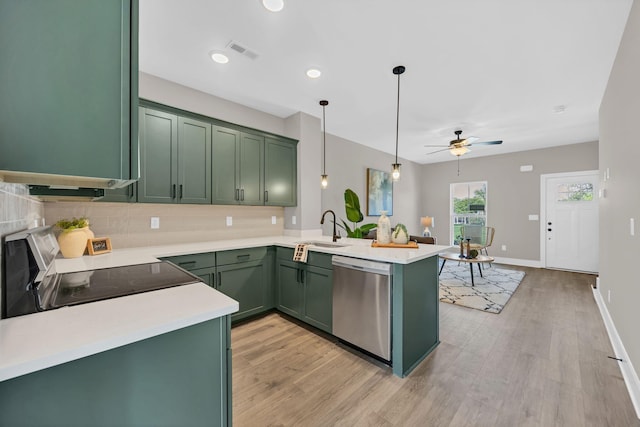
point(129, 224)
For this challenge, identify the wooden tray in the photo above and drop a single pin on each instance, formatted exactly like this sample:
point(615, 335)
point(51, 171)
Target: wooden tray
point(411, 244)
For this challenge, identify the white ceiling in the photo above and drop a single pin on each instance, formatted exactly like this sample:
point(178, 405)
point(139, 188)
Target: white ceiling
point(495, 68)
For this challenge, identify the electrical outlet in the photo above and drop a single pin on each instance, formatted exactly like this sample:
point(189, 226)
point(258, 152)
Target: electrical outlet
point(609, 295)
point(273, 220)
point(293, 220)
point(155, 222)
point(229, 221)
point(632, 226)
point(504, 247)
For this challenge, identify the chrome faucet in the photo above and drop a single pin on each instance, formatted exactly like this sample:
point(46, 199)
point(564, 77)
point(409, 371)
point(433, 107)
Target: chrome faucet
point(335, 235)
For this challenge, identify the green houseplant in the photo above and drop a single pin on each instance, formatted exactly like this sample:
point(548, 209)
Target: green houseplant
point(354, 215)
point(73, 236)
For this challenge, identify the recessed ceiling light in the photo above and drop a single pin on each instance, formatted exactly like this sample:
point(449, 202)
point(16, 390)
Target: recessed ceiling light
point(313, 73)
point(559, 109)
point(273, 5)
point(219, 57)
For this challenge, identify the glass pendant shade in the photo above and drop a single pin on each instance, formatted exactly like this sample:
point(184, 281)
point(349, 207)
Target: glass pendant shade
point(395, 174)
point(324, 181)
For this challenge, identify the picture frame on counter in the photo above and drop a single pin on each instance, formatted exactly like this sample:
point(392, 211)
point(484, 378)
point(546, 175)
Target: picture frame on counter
point(99, 245)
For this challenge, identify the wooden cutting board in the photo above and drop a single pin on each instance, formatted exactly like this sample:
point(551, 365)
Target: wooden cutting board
point(411, 244)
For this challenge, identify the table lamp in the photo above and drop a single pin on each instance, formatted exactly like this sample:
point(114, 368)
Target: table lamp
point(426, 221)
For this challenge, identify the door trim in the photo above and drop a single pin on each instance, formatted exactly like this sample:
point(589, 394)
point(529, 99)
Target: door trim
point(543, 206)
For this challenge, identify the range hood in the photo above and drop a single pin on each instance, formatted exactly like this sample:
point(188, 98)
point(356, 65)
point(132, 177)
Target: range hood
point(65, 194)
point(66, 181)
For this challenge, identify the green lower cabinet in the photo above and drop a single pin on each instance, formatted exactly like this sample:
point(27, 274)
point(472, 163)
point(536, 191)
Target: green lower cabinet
point(305, 292)
point(181, 378)
point(248, 284)
point(318, 297)
point(246, 275)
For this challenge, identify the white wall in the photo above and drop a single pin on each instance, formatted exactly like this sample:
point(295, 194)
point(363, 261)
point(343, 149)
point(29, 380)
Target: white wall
point(620, 155)
point(347, 164)
point(511, 195)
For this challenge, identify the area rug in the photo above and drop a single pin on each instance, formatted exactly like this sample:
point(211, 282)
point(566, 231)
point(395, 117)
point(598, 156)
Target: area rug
point(491, 292)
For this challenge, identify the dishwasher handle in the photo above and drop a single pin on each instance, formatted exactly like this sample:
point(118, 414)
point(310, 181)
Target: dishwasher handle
point(382, 268)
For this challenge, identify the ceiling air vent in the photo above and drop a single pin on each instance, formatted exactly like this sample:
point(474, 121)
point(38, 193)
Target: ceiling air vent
point(242, 50)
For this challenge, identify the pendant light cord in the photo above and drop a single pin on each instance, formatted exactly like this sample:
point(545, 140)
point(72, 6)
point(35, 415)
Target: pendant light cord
point(324, 143)
point(397, 118)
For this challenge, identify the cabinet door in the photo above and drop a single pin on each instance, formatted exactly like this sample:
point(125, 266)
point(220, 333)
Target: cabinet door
point(207, 275)
point(251, 169)
point(194, 161)
point(280, 173)
point(225, 148)
point(158, 156)
point(69, 87)
point(289, 288)
point(246, 283)
point(318, 297)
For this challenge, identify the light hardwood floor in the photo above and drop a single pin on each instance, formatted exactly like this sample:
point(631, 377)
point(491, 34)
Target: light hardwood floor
point(541, 362)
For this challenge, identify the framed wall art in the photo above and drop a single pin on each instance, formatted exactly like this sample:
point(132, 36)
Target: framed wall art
point(379, 192)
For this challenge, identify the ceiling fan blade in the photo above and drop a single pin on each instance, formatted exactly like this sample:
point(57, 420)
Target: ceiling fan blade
point(441, 146)
point(437, 151)
point(486, 143)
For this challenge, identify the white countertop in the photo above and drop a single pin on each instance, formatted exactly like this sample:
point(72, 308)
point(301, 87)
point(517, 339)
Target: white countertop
point(38, 341)
point(355, 248)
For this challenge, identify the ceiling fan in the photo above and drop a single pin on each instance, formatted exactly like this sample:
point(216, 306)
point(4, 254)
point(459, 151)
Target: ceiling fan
point(458, 146)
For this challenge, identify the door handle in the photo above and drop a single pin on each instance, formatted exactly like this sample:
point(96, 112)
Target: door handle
point(301, 276)
point(173, 191)
point(219, 284)
point(242, 194)
point(237, 194)
point(181, 191)
point(548, 229)
point(266, 195)
point(548, 223)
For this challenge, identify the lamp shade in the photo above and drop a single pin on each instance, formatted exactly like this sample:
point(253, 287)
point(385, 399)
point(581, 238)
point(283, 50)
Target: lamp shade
point(426, 221)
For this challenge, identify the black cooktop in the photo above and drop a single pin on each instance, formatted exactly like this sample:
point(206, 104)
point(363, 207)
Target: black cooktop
point(94, 285)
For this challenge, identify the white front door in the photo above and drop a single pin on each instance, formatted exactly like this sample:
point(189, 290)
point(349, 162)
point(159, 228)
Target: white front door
point(571, 221)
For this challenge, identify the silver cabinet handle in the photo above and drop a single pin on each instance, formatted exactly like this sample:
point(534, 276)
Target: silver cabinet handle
point(242, 194)
point(266, 195)
point(237, 194)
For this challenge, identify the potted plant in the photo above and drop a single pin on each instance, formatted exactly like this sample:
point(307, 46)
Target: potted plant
point(73, 236)
point(354, 215)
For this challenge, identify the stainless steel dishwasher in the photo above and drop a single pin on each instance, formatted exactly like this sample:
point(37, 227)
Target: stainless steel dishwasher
point(362, 304)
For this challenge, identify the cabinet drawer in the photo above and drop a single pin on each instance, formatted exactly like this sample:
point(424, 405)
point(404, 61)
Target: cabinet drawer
point(194, 261)
point(317, 259)
point(241, 255)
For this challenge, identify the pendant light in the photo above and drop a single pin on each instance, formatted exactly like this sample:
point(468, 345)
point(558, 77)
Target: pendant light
point(395, 174)
point(324, 178)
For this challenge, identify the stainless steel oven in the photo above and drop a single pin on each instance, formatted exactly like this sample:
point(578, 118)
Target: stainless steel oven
point(30, 283)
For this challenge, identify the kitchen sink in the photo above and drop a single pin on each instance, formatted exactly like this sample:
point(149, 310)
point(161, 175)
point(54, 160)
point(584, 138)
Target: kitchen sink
point(323, 244)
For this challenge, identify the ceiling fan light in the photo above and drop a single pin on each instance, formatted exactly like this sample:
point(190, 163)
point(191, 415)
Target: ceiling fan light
point(273, 5)
point(459, 151)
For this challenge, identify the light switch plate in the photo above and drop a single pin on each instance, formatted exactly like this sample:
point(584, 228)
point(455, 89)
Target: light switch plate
point(273, 220)
point(533, 217)
point(155, 222)
point(526, 168)
point(293, 220)
point(632, 226)
point(229, 221)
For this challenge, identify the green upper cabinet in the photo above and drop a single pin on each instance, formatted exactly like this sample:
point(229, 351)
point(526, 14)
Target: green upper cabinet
point(175, 154)
point(238, 167)
point(194, 161)
point(69, 73)
point(280, 169)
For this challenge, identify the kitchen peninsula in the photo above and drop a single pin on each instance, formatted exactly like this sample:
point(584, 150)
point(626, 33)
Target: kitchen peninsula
point(92, 335)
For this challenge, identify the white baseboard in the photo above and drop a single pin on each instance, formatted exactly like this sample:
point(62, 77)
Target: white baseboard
point(519, 262)
point(628, 373)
